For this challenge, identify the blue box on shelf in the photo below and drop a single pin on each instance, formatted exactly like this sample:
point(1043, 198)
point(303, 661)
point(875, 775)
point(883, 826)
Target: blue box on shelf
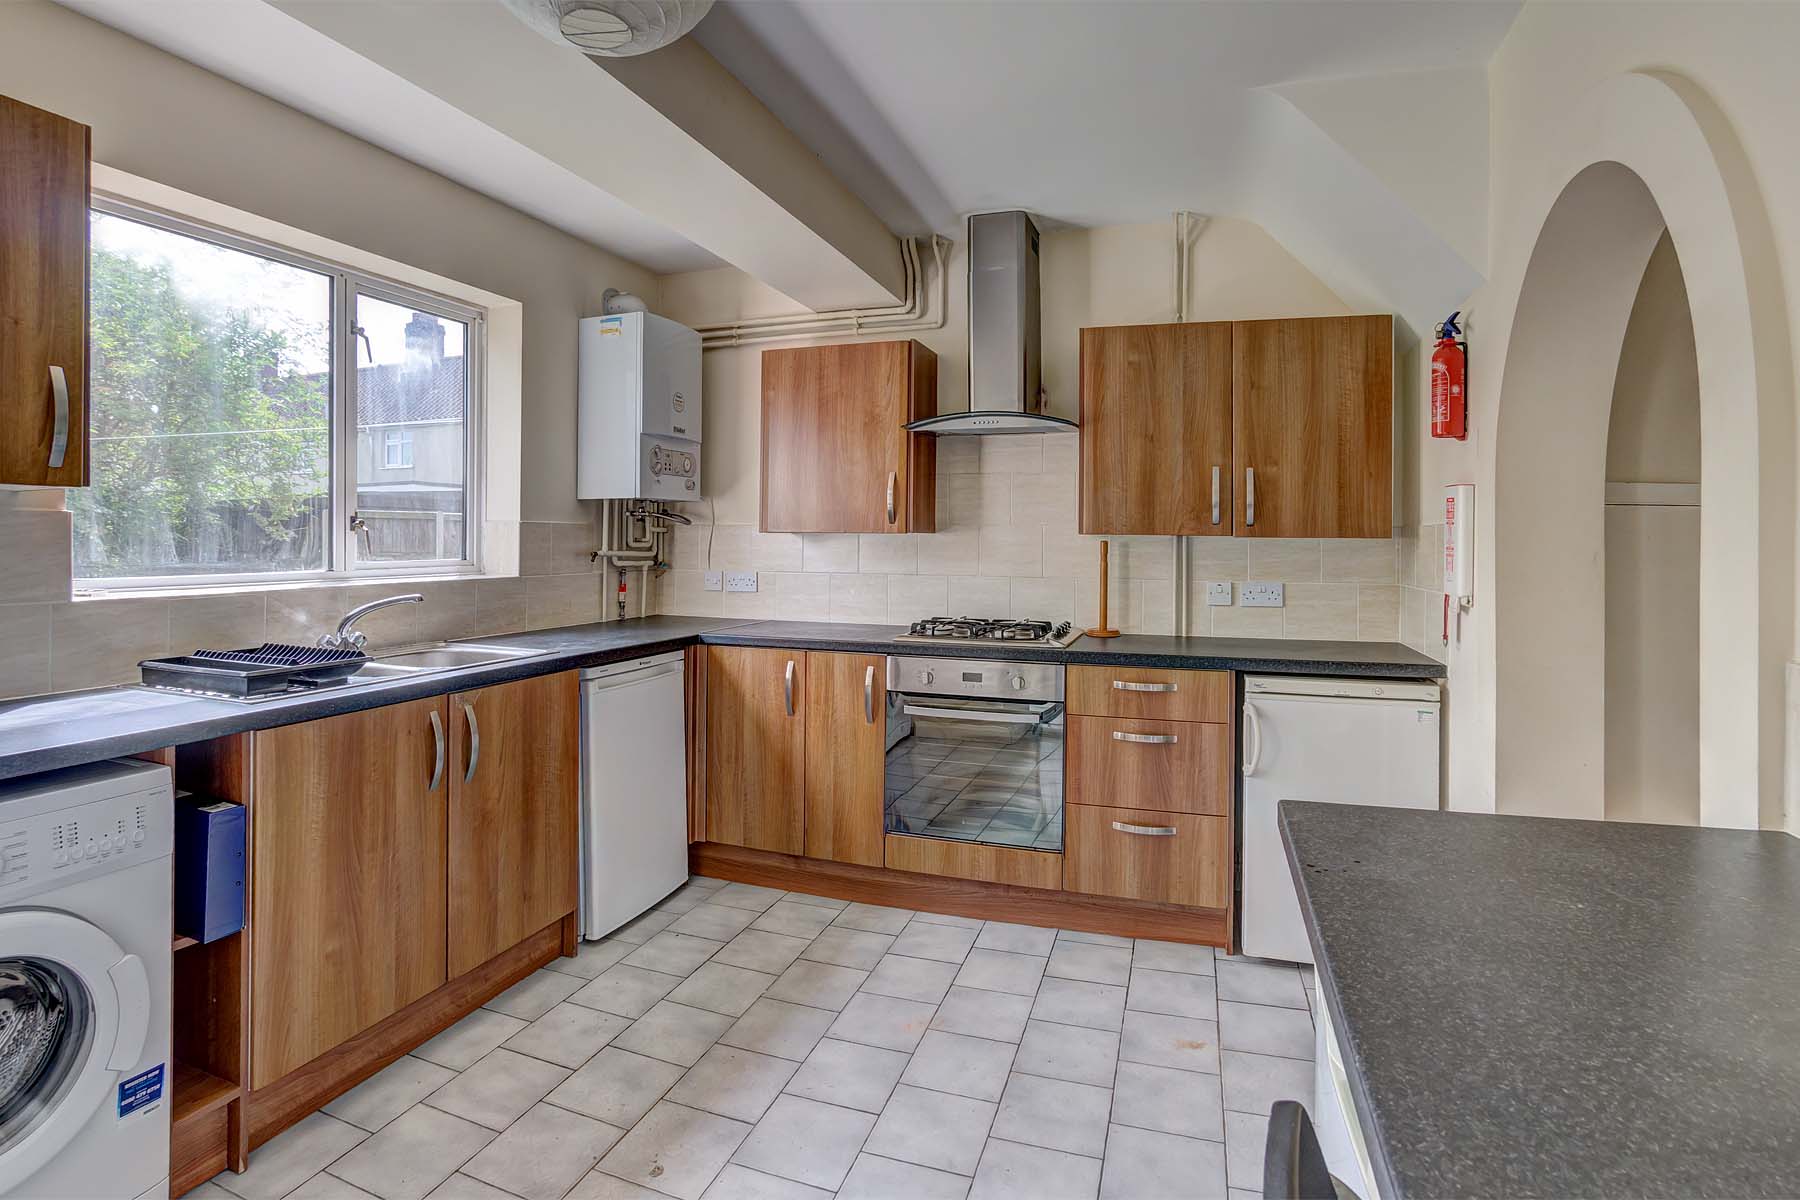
point(209, 868)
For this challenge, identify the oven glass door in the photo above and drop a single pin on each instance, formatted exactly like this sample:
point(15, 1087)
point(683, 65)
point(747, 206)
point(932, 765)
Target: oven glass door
point(988, 771)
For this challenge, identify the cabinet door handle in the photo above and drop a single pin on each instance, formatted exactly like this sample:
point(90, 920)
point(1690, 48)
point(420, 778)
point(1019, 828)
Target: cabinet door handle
point(787, 687)
point(1145, 830)
point(1249, 495)
point(1126, 685)
point(59, 416)
point(1146, 739)
point(869, 695)
point(1215, 503)
point(437, 766)
point(474, 741)
point(893, 482)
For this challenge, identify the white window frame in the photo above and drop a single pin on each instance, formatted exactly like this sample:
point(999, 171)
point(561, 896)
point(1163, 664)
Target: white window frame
point(347, 283)
point(396, 448)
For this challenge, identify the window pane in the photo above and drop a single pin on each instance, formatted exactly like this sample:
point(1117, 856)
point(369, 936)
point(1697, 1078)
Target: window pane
point(412, 388)
point(211, 397)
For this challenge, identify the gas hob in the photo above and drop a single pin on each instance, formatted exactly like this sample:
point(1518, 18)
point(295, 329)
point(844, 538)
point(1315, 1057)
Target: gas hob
point(990, 632)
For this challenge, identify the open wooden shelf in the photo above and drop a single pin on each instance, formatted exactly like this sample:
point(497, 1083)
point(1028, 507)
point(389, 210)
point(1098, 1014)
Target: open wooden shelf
point(198, 1092)
point(182, 943)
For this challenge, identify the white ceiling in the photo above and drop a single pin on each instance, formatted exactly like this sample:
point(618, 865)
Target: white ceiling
point(1098, 112)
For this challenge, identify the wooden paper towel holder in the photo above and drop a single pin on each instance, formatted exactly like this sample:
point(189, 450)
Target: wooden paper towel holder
point(1103, 631)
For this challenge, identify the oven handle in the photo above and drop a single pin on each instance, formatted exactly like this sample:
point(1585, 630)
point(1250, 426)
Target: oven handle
point(1036, 714)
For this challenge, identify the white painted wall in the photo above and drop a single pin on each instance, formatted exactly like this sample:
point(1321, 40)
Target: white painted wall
point(1711, 130)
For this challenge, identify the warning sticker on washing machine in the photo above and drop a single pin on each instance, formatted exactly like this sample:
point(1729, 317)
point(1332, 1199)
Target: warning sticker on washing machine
point(140, 1091)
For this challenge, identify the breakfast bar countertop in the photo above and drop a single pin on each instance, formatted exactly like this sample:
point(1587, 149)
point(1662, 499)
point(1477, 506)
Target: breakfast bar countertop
point(1529, 1006)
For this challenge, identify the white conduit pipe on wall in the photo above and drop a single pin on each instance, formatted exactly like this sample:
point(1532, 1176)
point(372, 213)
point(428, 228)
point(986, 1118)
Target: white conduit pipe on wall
point(909, 316)
point(1184, 240)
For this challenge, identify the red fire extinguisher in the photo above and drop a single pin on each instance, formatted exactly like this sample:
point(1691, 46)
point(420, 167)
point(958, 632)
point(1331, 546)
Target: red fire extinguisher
point(1449, 376)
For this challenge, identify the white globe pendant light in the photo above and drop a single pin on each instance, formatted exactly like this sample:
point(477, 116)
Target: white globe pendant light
point(612, 28)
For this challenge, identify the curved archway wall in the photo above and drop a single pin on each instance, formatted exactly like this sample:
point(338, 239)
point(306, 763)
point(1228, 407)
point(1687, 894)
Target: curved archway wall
point(1636, 152)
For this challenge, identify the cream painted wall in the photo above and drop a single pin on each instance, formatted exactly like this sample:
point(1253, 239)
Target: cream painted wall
point(1652, 766)
point(1555, 97)
point(1006, 505)
point(160, 118)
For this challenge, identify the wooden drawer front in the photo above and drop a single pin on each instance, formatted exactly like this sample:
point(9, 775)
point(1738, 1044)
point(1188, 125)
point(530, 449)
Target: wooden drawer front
point(1190, 866)
point(1150, 692)
point(1173, 766)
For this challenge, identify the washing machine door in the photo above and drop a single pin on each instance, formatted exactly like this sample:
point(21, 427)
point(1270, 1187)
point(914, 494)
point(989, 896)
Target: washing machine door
point(74, 1009)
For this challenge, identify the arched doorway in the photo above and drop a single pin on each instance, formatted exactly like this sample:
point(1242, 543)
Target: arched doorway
point(1650, 157)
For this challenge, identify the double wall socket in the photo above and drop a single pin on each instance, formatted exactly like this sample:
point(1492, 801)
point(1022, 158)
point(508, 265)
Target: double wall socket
point(1261, 595)
point(740, 581)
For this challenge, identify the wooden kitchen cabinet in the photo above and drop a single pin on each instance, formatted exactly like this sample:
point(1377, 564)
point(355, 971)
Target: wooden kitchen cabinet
point(1178, 766)
point(44, 193)
point(1138, 854)
point(756, 748)
point(846, 726)
point(514, 823)
point(836, 456)
point(1313, 427)
point(1156, 429)
point(348, 864)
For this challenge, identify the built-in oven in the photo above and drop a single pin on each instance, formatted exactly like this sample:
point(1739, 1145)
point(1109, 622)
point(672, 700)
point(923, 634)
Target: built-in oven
point(975, 751)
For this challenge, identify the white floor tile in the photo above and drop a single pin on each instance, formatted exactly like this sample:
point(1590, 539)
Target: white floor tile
point(617, 1087)
point(1141, 1163)
point(1010, 1171)
point(1001, 971)
point(1054, 1114)
point(779, 1028)
point(676, 1150)
point(1261, 983)
point(807, 1141)
point(499, 1089)
point(389, 1092)
point(673, 953)
point(1261, 1029)
point(849, 1074)
point(885, 1021)
point(1172, 994)
point(722, 988)
point(292, 1157)
point(877, 1178)
point(1187, 1043)
point(534, 995)
point(415, 1152)
point(962, 1065)
point(740, 1084)
point(544, 1153)
point(1169, 1101)
point(997, 1015)
point(910, 978)
point(468, 1041)
point(1068, 1052)
point(932, 1129)
point(741, 1183)
point(817, 984)
point(568, 1035)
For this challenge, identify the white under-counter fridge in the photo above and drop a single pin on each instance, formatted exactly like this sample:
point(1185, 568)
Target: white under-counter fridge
point(1346, 741)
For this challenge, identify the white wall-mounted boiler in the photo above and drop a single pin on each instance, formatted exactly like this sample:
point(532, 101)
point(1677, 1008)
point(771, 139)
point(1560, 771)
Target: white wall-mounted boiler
point(638, 409)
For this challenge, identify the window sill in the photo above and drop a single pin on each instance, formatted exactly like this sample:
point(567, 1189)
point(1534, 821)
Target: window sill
point(179, 591)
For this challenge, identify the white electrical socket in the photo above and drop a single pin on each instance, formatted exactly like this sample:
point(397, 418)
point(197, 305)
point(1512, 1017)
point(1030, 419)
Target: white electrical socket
point(740, 581)
point(1260, 595)
point(1218, 594)
point(714, 581)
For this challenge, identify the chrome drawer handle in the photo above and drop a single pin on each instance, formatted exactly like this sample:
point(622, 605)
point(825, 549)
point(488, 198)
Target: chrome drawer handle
point(59, 429)
point(1146, 739)
point(437, 765)
point(1249, 495)
point(1145, 830)
point(474, 741)
point(1215, 496)
point(893, 481)
point(1125, 685)
point(787, 688)
point(869, 695)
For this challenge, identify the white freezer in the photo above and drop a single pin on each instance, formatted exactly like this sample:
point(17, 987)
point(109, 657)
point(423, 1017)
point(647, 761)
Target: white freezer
point(1346, 741)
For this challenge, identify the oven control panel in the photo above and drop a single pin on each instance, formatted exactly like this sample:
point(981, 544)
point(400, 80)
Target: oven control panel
point(975, 677)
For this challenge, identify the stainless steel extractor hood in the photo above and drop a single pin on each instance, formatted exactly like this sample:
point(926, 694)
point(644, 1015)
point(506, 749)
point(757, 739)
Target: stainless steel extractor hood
point(1005, 344)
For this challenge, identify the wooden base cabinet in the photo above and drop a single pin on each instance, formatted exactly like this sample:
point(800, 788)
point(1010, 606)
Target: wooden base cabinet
point(347, 923)
point(399, 848)
point(846, 749)
point(515, 795)
point(756, 748)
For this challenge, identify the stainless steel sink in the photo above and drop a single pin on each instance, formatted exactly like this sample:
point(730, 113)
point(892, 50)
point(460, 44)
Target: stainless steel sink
point(447, 656)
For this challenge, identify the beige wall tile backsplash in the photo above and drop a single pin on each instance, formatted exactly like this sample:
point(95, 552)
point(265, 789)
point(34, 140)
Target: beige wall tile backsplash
point(1007, 546)
point(52, 643)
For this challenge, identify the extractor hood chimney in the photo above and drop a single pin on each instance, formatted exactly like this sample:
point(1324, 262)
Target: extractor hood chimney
point(1005, 344)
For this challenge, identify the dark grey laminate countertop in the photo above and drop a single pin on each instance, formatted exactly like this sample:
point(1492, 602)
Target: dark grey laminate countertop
point(1267, 655)
point(1541, 1008)
point(76, 727)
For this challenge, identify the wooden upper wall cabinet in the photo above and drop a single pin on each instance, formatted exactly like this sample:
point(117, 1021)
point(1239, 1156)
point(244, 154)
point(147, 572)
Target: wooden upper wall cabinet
point(1156, 429)
point(836, 456)
point(1313, 427)
point(44, 192)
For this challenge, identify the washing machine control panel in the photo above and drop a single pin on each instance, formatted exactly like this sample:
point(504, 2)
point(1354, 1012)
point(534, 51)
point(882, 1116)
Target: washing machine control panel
point(54, 848)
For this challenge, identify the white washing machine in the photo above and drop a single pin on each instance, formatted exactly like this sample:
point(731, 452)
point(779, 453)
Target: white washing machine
point(85, 964)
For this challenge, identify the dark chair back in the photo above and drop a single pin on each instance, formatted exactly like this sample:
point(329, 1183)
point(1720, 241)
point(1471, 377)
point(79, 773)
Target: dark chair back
point(1293, 1165)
